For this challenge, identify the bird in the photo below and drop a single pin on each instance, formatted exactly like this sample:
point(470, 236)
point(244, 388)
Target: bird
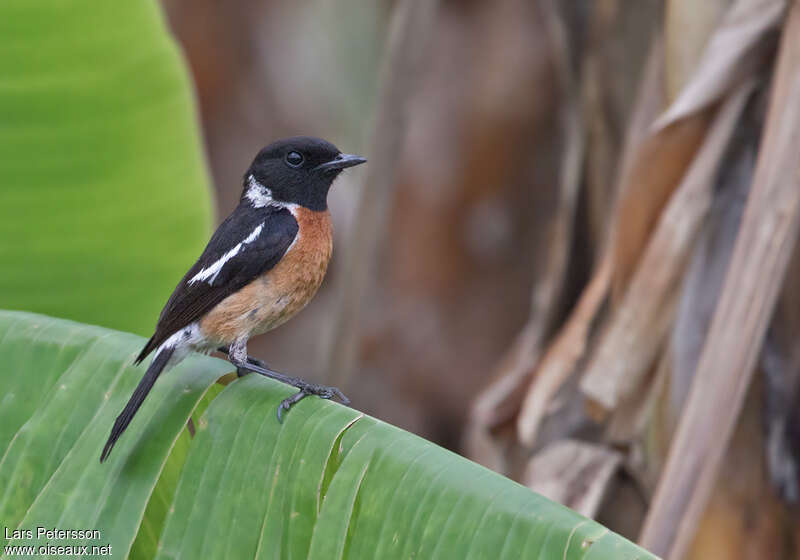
point(262, 265)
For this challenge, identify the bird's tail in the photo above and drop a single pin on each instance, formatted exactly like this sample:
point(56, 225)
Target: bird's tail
point(156, 367)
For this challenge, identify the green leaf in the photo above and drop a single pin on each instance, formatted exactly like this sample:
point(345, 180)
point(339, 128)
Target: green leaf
point(63, 385)
point(333, 483)
point(329, 482)
point(146, 543)
point(104, 200)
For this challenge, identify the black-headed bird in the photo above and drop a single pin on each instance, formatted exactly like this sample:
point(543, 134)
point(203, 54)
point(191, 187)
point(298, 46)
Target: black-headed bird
point(263, 264)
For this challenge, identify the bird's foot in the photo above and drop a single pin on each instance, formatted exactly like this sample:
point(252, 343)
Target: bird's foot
point(252, 365)
point(306, 389)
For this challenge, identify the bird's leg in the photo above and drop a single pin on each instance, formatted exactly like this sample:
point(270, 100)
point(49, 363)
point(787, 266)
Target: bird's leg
point(241, 372)
point(237, 354)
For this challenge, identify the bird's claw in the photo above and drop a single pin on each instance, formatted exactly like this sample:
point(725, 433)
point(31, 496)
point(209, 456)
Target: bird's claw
point(341, 396)
point(325, 392)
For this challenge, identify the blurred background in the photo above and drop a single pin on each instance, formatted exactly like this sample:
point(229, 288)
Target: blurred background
point(571, 256)
point(527, 269)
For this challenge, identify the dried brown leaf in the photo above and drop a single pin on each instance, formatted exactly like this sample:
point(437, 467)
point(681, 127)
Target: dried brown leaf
point(563, 355)
point(735, 51)
point(573, 473)
point(761, 255)
point(501, 399)
point(629, 345)
point(658, 166)
point(622, 84)
point(780, 361)
point(649, 103)
point(744, 519)
point(688, 25)
point(570, 344)
point(632, 417)
point(705, 273)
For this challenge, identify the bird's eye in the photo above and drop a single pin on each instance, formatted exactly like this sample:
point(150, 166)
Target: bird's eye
point(295, 159)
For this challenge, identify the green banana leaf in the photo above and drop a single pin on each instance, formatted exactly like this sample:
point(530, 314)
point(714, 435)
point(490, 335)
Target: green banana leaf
point(329, 482)
point(104, 194)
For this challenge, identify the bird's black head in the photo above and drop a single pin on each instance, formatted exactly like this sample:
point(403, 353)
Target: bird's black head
point(296, 170)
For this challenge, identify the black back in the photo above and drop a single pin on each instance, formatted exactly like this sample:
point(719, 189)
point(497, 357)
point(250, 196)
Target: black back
point(191, 300)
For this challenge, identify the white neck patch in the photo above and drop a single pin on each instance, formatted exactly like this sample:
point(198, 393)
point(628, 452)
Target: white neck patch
point(258, 195)
point(261, 196)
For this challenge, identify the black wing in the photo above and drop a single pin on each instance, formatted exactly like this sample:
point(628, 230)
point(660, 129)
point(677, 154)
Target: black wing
point(262, 236)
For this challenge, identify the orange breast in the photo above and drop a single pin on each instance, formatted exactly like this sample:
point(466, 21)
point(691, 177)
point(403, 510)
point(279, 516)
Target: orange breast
point(275, 297)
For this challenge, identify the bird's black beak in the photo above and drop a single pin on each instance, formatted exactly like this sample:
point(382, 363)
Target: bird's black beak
point(341, 161)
